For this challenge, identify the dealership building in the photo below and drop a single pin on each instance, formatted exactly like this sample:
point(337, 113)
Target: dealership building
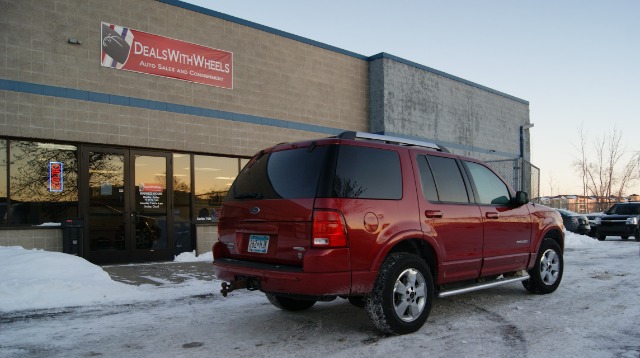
point(123, 123)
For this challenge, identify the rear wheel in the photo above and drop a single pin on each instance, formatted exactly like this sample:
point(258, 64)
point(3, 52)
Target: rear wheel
point(401, 298)
point(289, 304)
point(546, 274)
point(601, 237)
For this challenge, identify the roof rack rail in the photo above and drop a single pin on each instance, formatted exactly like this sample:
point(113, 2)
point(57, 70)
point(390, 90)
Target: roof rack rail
point(391, 140)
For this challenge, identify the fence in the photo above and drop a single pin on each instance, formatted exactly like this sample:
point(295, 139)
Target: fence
point(579, 205)
point(521, 175)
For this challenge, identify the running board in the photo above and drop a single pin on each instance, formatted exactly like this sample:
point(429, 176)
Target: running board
point(483, 285)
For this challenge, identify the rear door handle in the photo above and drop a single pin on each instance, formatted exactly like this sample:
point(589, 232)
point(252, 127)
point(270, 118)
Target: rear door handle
point(491, 215)
point(433, 213)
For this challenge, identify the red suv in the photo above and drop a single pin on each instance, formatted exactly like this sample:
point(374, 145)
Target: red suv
point(385, 222)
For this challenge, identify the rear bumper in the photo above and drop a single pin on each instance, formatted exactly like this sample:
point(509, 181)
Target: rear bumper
point(284, 279)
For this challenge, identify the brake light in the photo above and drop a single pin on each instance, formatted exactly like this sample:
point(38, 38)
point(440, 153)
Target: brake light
point(329, 229)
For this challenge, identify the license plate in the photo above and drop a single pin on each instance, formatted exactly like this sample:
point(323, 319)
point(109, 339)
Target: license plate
point(258, 244)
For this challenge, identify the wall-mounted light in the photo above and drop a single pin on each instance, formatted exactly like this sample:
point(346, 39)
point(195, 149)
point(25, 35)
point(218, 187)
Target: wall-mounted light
point(74, 41)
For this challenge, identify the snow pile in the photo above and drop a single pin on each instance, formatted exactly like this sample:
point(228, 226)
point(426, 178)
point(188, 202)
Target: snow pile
point(192, 257)
point(572, 240)
point(37, 279)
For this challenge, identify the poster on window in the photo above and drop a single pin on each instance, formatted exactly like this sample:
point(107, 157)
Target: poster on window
point(150, 195)
point(127, 49)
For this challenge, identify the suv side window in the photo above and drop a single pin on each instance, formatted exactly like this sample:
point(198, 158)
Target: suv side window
point(367, 173)
point(442, 180)
point(426, 179)
point(489, 188)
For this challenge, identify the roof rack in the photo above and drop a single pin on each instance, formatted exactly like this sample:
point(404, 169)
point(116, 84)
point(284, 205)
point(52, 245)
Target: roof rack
point(391, 140)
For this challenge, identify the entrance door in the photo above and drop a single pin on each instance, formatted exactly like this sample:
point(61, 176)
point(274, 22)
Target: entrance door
point(128, 201)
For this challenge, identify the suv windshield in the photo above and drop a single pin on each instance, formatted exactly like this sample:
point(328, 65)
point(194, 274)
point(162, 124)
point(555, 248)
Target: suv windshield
point(624, 210)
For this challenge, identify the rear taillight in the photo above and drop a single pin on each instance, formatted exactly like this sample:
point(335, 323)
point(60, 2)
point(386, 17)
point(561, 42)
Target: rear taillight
point(329, 229)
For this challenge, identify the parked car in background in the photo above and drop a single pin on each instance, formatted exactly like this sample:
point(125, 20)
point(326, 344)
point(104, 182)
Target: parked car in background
point(575, 222)
point(622, 219)
point(592, 217)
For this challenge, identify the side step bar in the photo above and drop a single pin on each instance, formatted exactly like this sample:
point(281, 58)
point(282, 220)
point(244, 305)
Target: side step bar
point(483, 285)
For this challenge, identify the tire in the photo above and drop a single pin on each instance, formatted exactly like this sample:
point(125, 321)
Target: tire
point(546, 274)
point(358, 301)
point(289, 304)
point(636, 235)
point(625, 237)
point(601, 237)
point(401, 299)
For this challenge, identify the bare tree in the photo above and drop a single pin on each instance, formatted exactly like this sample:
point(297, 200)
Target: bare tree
point(600, 167)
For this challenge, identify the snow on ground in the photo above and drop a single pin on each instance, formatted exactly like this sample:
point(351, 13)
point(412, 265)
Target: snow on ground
point(37, 279)
point(594, 313)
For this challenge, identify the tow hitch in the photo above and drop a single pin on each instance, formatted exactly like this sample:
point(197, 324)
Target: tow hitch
point(250, 284)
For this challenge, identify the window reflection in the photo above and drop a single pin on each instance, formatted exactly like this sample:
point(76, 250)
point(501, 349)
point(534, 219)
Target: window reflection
point(32, 199)
point(213, 178)
point(182, 203)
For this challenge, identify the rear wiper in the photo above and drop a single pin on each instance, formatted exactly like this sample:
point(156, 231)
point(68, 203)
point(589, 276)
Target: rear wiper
point(248, 196)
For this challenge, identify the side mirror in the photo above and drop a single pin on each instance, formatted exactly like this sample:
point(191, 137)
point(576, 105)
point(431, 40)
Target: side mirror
point(521, 198)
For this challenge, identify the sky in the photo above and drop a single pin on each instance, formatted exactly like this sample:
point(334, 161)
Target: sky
point(576, 62)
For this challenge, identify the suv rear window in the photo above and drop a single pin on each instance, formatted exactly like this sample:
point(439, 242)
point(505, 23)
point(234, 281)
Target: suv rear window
point(324, 171)
point(288, 174)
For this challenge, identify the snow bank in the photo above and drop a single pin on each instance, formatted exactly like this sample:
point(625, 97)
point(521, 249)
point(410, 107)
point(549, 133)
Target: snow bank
point(573, 240)
point(37, 279)
point(192, 257)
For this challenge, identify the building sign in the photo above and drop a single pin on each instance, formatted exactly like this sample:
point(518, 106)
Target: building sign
point(150, 195)
point(56, 182)
point(128, 49)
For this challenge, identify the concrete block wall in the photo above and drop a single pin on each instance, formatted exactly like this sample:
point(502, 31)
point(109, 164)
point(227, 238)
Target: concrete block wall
point(274, 77)
point(207, 235)
point(45, 239)
point(469, 119)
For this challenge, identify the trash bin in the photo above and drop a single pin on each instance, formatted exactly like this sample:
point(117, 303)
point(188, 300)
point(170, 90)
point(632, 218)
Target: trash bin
point(72, 236)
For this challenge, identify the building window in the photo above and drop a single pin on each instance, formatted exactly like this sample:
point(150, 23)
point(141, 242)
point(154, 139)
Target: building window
point(42, 185)
point(213, 178)
point(182, 234)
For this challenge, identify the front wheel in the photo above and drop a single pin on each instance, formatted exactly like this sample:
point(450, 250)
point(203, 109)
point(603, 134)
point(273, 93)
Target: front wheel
point(289, 304)
point(401, 298)
point(546, 274)
point(601, 237)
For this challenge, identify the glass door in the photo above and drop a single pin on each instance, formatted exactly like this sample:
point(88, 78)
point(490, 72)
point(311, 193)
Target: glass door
point(149, 216)
point(105, 219)
point(128, 201)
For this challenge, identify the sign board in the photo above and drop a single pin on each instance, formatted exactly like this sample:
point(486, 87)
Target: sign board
point(56, 181)
point(150, 195)
point(124, 48)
